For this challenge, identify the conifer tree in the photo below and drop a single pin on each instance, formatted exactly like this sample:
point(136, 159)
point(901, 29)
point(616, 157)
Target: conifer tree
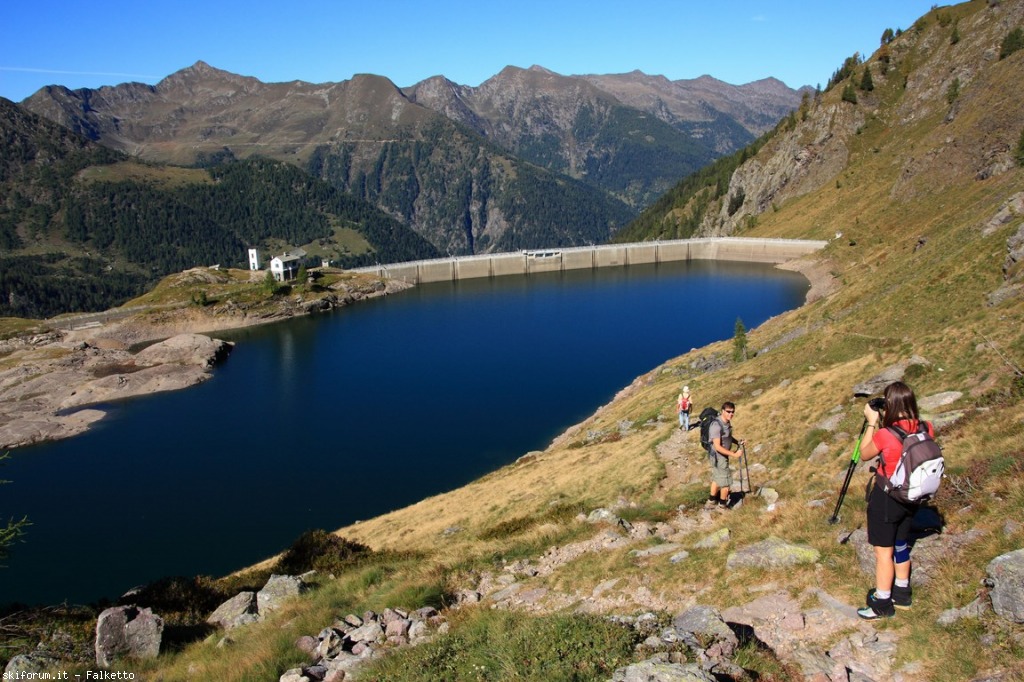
point(12, 530)
point(849, 94)
point(866, 84)
point(739, 342)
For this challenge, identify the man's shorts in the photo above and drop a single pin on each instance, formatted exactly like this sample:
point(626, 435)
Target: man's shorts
point(721, 474)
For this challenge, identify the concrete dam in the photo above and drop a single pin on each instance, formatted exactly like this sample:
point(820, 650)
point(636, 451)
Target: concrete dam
point(531, 261)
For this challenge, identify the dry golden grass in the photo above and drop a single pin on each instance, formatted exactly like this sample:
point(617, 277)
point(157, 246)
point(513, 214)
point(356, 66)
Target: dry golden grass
point(913, 272)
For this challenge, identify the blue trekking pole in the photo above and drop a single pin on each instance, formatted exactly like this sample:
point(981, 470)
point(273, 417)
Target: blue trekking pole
point(854, 460)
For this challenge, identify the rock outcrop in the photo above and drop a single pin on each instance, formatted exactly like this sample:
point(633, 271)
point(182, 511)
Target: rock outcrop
point(47, 395)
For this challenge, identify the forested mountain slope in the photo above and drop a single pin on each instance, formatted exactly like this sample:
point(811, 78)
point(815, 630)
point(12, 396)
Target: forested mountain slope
point(85, 228)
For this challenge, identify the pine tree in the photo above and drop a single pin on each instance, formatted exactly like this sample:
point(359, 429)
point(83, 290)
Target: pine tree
point(866, 84)
point(849, 94)
point(12, 530)
point(739, 342)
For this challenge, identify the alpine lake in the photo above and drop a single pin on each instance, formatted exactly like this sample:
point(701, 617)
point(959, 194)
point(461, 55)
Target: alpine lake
point(321, 421)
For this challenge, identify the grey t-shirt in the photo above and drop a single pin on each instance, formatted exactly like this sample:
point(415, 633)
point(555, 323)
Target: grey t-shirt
point(721, 430)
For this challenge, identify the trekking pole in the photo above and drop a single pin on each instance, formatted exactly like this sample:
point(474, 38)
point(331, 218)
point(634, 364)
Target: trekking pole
point(854, 460)
point(746, 467)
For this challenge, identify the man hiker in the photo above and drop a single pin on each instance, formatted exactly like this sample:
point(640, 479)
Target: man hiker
point(719, 451)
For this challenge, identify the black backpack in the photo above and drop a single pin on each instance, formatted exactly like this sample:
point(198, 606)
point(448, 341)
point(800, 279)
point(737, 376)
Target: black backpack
point(919, 470)
point(707, 417)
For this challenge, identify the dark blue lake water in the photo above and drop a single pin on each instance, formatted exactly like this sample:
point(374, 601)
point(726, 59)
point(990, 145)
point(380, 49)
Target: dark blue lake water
point(322, 421)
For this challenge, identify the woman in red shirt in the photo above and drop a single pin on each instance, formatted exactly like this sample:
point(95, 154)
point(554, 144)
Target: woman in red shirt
point(888, 519)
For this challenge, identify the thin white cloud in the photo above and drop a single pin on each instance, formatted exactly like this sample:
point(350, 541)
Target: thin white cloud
point(23, 69)
point(759, 19)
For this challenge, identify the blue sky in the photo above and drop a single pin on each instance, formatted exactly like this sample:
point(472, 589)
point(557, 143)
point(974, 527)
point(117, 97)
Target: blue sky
point(106, 42)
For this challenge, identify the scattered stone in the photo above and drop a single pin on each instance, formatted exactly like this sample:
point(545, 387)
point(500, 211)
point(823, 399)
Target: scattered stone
point(932, 402)
point(127, 631)
point(277, 589)
point(716, 539)
point(32, 666)
point(657, 671)
point(657, 550)
point(831, 423)
point(888, 375)
point(704, 631)
point(1006, 577)
point(973, 610)
point(679, 557)
point(819, 453)
point(772, 553)
point(237, 611)
point(307, 645)
point(294, 675)
point(769, 495)
point(467, 597)
point(603, 515)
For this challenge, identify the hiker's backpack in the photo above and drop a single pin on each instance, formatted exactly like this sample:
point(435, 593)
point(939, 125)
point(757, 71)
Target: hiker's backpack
point(707, 416)
point(919, 470)
point(684, 404)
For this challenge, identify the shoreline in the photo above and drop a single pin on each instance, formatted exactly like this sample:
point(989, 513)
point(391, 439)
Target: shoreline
point(50, 382)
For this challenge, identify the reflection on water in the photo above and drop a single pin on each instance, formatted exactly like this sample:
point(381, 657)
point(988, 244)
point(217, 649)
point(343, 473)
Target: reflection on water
point(321, 421)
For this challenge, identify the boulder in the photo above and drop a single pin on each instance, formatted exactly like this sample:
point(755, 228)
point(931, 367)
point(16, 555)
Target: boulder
point(657, 671)
point(1006, 578)
point(32, 666)
point(702, 629)
point(772, 553)
point(277, 589)
point(239, 610)
point(127, 631)
point(716, 539)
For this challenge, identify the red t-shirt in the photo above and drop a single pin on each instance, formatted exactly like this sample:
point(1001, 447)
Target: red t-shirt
point(890, 446)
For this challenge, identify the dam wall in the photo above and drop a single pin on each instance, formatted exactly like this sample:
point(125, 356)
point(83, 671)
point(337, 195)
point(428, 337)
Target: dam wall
point(531, 261)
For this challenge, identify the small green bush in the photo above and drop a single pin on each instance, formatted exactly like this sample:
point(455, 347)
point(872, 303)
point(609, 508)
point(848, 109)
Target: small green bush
point(953, 91)
point(321, 551)
point(508, 528)
point(1013, 41)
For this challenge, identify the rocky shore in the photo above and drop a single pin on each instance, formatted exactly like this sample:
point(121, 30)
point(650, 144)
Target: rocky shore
point(54, 384)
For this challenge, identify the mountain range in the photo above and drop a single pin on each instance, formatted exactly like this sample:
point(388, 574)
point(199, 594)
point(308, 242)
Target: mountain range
point(438, 156)
point(528, 159)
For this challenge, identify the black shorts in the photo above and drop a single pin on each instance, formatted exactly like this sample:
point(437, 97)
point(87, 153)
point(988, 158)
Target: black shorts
point(888, 520)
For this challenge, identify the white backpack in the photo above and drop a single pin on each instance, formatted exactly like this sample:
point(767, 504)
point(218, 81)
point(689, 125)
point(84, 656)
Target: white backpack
point(919, 470)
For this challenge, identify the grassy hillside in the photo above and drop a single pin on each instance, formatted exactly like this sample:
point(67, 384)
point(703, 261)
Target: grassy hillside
point(918, 208)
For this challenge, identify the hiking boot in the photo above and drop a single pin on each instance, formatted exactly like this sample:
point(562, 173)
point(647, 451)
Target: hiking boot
point(902, 597)
point(876, 608)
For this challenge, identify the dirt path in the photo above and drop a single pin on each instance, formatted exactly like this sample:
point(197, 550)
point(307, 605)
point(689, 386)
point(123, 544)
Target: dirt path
point(684, 460)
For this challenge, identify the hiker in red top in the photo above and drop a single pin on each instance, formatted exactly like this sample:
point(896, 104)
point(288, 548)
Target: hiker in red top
point(888, 519)
point(684, 404)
